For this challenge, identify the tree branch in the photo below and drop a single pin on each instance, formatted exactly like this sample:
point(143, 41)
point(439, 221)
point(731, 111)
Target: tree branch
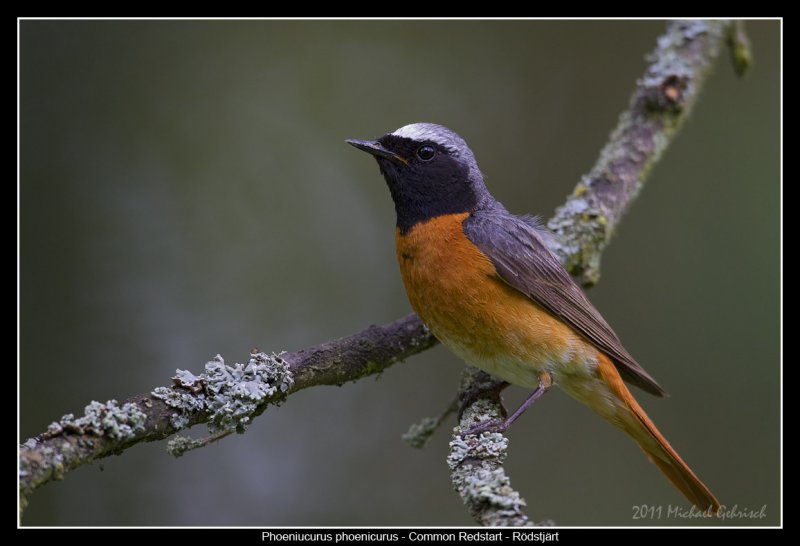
point(661, 101)
point(221, 397)
point(476, 462)
point(228, 397)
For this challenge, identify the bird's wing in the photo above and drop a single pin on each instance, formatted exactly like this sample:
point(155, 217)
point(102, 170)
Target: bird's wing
point(516, 248)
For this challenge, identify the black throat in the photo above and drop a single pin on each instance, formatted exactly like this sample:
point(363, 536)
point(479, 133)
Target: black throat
point(422, 194)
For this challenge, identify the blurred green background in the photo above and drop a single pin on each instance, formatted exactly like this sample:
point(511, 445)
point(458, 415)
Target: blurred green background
point(186, 191)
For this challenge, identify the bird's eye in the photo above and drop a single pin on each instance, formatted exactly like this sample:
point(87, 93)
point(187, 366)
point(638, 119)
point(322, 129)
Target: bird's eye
point(426, 153)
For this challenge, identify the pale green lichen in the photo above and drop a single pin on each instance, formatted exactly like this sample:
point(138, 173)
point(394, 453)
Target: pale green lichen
point(179, 445)
point(478, 476)
point(489, 445)
point(373, 368)
point(229, 394)
point(236, 392)
point(741, 52)
point(418, 434)
point(102, 419)
point(582, 231)
point(186, 402)
point(492, 487)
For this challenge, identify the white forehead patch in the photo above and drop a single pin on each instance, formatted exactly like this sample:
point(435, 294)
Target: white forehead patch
point(432, 132)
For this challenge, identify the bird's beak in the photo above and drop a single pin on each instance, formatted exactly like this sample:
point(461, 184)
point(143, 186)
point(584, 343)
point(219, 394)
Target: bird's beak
point(373, 147)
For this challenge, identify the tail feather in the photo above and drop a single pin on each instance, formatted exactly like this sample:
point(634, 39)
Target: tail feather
point(653, 443)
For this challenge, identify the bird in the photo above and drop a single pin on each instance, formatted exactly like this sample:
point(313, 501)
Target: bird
point(485, 283)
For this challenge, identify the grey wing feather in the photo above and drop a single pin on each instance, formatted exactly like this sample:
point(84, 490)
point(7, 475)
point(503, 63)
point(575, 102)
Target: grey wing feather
point(517, 250)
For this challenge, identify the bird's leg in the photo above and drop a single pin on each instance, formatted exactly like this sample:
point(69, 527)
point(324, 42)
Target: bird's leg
point(545, 382)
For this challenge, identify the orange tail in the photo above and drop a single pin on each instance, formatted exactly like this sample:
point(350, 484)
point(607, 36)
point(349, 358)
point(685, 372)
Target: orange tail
point(655, 446)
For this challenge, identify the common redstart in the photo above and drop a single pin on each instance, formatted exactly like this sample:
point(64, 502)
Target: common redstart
point(485, 283)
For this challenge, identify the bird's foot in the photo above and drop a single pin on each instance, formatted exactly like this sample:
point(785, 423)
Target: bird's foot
point(545, 382)
point(492, 425)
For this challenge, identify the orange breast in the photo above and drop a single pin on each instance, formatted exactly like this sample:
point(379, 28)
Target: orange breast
point(456, 291)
